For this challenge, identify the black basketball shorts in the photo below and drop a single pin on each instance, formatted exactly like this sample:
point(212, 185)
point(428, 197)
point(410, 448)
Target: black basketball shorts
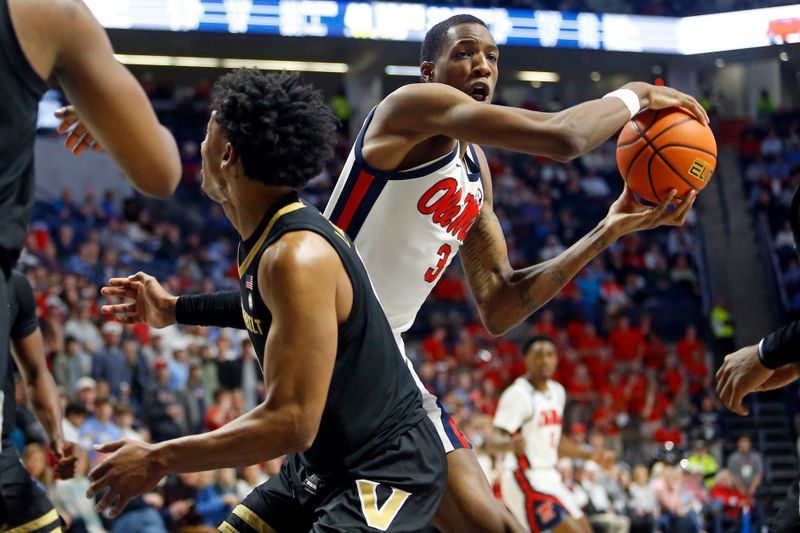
point(397, 490)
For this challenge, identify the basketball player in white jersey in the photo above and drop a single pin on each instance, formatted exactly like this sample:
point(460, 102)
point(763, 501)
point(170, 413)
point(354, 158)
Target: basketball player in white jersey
point(414, 185)
point(527, 428)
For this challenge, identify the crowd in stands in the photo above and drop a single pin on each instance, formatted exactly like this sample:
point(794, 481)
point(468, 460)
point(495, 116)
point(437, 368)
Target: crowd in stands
point(629, 330)
point(769, 158)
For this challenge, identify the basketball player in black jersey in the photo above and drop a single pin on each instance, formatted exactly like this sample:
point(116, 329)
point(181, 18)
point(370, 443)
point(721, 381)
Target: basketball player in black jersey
point(29, 508)
point(362, 453)
point(61, 38)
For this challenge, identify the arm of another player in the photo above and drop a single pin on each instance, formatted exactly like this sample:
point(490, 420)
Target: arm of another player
point(569, 448)
point(157, 308)
point(112, 104)
point(501, 441)
point(420, 111)
point(513, 410)
point(505, 297)
point(302, 271)
point(28, 353)
point(768, 365)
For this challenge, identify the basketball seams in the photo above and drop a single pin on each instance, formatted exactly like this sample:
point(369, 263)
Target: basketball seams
point(635, 157)
point(673, 169)
point(650, 177)
point(655, 117)
point(709, 152)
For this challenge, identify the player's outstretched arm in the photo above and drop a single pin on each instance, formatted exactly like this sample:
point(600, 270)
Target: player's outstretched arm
point(505, 297)
point(304, 275)
point(157, 308)
point(420, 111)
point(110, 102)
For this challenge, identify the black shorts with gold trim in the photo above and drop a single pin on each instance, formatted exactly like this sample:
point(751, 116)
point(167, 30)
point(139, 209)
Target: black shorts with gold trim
point(24, 505)
point(397, 490)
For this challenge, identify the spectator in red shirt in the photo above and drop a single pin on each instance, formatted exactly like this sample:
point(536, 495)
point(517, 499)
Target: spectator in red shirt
point(577, 331)
point(730, 499)
point(626, 341)
point(698, 375)
point(690, 347)
point(604, 418)
point(669, 430)
point(674, 377)
point(580, 389)
point(590, 343)
point(433, 346)
point(546, 325)
point(221, 411)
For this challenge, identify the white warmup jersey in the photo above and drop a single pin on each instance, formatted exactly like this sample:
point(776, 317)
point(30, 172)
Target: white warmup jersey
point(531, 487)
point(407, 225)
point(537, 416)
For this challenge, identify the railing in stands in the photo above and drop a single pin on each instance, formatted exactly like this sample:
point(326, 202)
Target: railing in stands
point(779, 298)
point(700, 253)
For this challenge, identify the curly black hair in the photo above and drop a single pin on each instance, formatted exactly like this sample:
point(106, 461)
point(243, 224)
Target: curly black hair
point(432, 44)
point(281, 128)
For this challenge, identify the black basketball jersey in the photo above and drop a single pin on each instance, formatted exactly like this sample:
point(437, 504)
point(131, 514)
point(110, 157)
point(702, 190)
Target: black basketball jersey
point(23, 319)
point(372, 398)
point(20, 91)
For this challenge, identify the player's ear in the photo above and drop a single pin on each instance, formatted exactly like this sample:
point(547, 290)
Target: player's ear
point(426, 71)
point(229, 156)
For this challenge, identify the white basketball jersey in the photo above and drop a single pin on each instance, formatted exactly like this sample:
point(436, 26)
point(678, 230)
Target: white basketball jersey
point(538, 416)
point(407, 225)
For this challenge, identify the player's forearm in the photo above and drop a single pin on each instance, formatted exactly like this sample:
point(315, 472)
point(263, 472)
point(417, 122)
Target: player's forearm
point(496, 444)
point(45, 399)
point(524, 291)
point(590, 124)
point(568, 448)
point(221, 309)
point(258, 436)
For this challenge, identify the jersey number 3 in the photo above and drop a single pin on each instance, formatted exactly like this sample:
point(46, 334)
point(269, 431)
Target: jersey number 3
point(379, 517)
point(444, 255)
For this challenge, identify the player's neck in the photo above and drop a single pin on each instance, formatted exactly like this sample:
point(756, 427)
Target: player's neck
point(539, 383)
point(249, 204)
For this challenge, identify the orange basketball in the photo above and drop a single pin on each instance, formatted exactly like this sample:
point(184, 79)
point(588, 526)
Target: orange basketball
point(667, 149)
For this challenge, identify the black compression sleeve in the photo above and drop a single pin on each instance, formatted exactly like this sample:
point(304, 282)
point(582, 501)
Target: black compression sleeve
point(781, 347)
point(223, 309)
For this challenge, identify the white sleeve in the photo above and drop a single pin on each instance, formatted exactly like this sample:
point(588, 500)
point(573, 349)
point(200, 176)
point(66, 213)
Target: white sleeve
point(512, 411)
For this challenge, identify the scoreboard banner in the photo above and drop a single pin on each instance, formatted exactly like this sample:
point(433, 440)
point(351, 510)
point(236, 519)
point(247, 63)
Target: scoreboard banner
point(409, 22)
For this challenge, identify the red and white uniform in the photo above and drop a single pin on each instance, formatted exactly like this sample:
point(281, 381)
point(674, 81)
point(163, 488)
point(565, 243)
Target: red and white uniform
point(531, 486)
point(407, 227)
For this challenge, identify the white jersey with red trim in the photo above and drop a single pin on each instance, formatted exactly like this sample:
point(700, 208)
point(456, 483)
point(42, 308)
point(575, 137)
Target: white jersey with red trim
point(538, 416)
point(407, 225)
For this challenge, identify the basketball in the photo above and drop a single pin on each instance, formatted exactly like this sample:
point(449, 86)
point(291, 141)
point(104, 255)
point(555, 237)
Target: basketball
point(667, 149)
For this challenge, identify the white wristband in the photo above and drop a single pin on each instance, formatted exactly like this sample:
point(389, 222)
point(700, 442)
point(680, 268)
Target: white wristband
point(628, 97)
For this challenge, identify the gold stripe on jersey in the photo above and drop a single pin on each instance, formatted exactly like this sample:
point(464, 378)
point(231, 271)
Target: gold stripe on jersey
point(225, 527)
point(44, 520)
point(294, 206)
point(252, 519)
